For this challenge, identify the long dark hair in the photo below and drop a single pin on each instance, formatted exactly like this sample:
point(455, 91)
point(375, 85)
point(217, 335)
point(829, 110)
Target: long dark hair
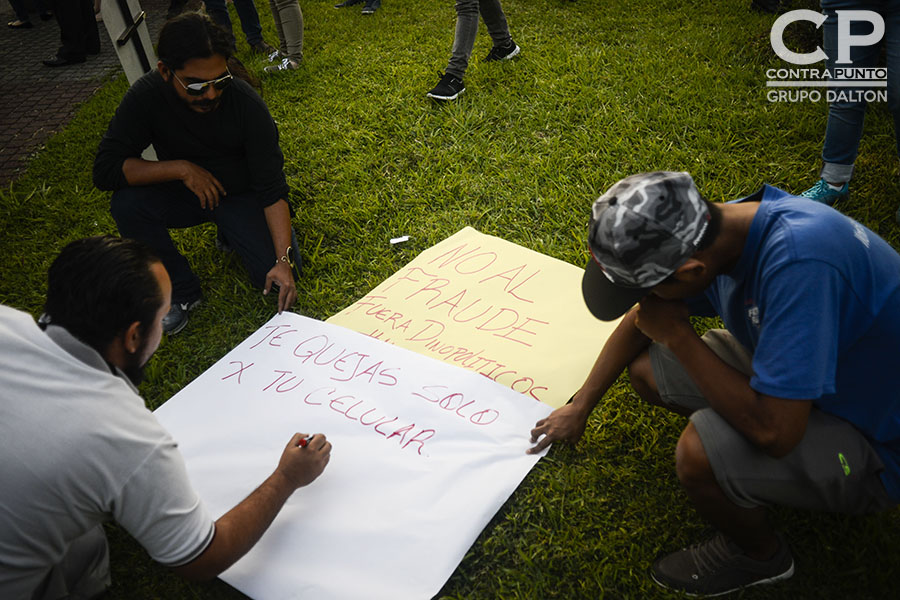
point(191, 35)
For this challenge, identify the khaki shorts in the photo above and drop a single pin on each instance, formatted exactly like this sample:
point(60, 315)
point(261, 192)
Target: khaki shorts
point(833, 468)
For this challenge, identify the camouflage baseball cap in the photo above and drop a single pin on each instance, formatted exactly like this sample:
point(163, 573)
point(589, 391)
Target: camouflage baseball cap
point(642, 229)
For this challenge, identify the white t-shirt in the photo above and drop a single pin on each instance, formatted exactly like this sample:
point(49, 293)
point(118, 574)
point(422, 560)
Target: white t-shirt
point(77, 448)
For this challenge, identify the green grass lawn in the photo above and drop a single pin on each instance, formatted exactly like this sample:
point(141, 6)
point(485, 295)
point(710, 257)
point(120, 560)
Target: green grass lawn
point(601, 90)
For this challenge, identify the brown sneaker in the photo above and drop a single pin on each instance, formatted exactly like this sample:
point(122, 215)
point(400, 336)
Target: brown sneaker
point(717, 566)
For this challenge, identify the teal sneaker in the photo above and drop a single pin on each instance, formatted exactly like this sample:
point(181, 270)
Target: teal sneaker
point(824, 193)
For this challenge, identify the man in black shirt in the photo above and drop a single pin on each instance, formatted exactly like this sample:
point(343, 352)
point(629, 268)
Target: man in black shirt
point(219, 161)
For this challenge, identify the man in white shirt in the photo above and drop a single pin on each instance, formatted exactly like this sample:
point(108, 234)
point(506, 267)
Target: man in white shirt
point(78, 447)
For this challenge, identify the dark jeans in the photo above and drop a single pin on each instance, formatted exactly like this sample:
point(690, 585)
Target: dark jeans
point(467, 12)
point(78, 31)
point(246, 10)
point(845, 118)
point(146, 213)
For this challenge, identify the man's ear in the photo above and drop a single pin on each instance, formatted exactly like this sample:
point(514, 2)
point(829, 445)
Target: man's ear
point(691, 270)
point(131, 339)
point(163, 70)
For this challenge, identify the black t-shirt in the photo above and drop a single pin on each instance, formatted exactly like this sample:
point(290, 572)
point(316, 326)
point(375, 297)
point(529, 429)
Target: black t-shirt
point(237, 142)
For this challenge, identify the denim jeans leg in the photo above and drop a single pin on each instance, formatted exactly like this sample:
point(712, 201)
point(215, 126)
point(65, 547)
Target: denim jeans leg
point(464, 41)
point(242, 222)
point(218, 12)
point(495, 21)
point(845, 118)
point(246, 10)
point(891, 16)
point(146, 213)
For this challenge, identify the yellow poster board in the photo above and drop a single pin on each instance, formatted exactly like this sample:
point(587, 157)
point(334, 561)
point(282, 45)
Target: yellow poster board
point(490, 306)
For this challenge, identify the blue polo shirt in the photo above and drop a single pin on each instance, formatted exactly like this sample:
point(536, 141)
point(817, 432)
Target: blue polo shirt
point(816, 297)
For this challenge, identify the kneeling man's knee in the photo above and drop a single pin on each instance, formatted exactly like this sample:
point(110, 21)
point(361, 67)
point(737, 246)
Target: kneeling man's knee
point(122, 205)
point(640, 371)
point(691, 462)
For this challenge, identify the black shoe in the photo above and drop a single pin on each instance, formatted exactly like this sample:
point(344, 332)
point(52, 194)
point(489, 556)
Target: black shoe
point(502, 52)
point(263, 47)
point(448, 88)
point(347, 3)
point(46, 15)
point(371, 6)
point(62, 61)
point(177, 317)
point(718, 566)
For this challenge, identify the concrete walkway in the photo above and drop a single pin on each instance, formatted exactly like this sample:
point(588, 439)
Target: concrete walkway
point(37, 101)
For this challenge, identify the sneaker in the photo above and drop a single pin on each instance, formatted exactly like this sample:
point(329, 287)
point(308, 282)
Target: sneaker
point(717, 566)
point(286, 64)
point(371, 6)
point(347, 3)
point(448, 88)
point(825, 193)
point(177, 317)
point(275, 55)
point(503, 52)
point(263, 47)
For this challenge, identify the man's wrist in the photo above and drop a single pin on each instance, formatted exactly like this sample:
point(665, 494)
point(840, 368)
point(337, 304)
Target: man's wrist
point(287, 257)
point(680, 335)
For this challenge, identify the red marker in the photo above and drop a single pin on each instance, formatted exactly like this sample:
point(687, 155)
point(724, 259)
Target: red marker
point(303, 442)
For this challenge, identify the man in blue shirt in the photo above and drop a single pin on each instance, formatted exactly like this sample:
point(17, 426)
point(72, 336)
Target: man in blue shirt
point(795, 403)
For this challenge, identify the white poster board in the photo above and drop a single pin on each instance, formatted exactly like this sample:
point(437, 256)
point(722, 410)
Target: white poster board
point(424, 455)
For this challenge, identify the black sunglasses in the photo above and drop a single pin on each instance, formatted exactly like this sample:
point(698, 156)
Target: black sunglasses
point(199, 88)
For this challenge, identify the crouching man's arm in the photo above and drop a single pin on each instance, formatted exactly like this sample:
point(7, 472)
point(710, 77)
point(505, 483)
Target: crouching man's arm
point(278, 219)
point(774, 425)
point(567, 423)
point(240, 528)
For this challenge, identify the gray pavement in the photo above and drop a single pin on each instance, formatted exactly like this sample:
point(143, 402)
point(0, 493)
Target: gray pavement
point(36, 101)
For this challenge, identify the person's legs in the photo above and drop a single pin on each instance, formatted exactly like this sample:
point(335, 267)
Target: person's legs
point(658, 377)
point(218, 12)
point(289, 24)
point(730, 481)
point(246, 10)
point(242, 224)
point(495, 21)
point(892, 46)
point(276, 16)
point(71, 33)
point(464, 39)
point(20, 9)
point(845, 118)
point(89, 29)
point(146, 213)
point(748, 527)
